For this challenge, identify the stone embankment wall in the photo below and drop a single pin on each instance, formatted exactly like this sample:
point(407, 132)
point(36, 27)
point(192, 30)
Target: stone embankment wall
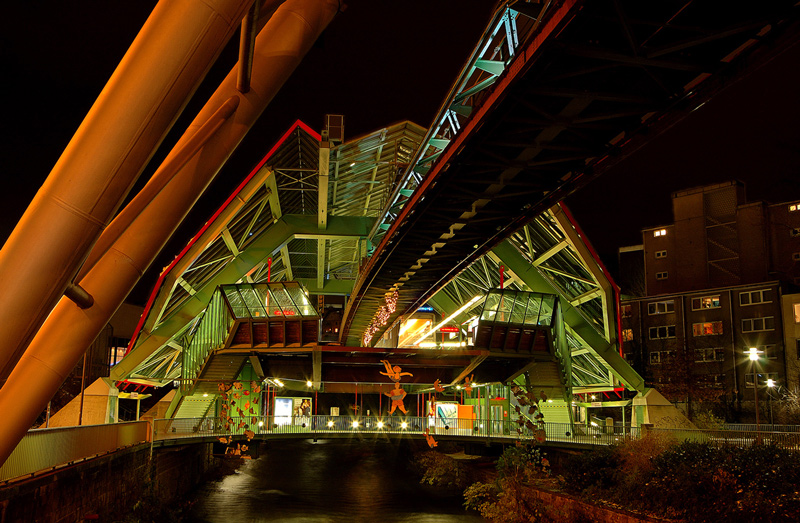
point(96, 489)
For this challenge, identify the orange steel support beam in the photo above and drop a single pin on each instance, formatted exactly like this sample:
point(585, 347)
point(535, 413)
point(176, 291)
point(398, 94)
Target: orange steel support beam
point(69, 330)
point(164, 65)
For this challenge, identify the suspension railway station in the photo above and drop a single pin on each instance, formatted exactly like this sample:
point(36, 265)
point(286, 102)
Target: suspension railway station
point(445, 251)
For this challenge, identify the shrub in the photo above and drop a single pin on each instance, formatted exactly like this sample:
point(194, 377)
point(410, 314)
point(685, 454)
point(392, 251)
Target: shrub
point(440, 470)
point(594, 469)
point(522, 462)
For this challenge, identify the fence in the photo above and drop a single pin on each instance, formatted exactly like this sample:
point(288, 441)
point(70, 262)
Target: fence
point(738, 438)
point(320, 426)
point(47, 449)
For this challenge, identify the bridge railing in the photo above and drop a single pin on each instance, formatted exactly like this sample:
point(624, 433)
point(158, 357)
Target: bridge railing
point(319, 426)
point(43, 450)
point(737, 438)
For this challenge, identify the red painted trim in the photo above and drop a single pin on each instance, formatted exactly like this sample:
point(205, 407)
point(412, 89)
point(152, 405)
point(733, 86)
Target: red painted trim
point(515, 69)
point(600, 264)
point(208, 223)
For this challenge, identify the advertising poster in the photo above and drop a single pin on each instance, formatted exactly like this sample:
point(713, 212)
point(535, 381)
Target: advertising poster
point(283, 411)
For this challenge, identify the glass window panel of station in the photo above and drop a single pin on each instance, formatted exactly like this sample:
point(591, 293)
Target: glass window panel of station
point(284, 305)
point(301, 301)
point(520, 305)
point(534, 307)
point(236, 302)
point(490, 306)
point(548, 304)
point(253, 301)
point(505, 306)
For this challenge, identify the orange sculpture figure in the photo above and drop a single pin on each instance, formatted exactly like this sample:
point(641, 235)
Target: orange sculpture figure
point(431, 442)
point(468, 384)
point(394, 372)
point(437, 386)
point(396, 395)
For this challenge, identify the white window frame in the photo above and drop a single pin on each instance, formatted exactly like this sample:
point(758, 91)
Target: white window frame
point(653, 307)
point(661, 254)
point(701, 299)
point(760, 294)
point(721, 328)
point(710, 355)
point(752, 324)
point(659, 232)
point(662, 275)
point(656, 329)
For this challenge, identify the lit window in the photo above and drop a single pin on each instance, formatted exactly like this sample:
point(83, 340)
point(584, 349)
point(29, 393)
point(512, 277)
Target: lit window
point(758, 324)
point(707, 355)
point(708, 328)
point(796, 312)
point(661, 307)
point(660, 232)
point(627, 334)
point(662, 275)
point(705, 302)
point(661, 254)
point(665, 331)
point(753, 297)
point(626, 311)
point(794, 207)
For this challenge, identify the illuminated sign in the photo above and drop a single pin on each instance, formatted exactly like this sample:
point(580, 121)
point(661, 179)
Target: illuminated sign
point(425, 308)
point(448, 329)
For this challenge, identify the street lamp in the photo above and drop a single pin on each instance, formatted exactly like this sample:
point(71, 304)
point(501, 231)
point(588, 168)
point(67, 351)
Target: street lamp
point(753, 352)
point(770, 386)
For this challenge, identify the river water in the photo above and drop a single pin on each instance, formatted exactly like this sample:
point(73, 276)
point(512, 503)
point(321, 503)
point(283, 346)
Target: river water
point(327, 481)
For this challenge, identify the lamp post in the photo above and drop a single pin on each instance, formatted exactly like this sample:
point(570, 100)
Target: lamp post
point(753, 352)
point(770, 386)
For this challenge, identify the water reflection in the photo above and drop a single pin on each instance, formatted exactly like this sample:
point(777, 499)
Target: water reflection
point(328, 481)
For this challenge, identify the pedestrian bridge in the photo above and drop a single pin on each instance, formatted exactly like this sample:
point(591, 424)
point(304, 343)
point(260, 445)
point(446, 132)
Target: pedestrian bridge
point(43, 451)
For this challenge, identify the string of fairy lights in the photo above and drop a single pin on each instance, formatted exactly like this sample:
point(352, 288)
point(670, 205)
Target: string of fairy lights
point(382, 316)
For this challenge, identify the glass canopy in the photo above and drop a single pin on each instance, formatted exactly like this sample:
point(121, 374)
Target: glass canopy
point(518, 307)
point(284, 300)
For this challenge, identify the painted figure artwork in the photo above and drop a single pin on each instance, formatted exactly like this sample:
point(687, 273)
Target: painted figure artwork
point(396, 395)
point(431, 442)
point(395, 373)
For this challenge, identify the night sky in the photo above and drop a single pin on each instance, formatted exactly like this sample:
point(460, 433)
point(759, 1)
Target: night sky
point(379, 62)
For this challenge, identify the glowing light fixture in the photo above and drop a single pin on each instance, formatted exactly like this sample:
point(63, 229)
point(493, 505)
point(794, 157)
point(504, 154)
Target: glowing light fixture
point(308, 383)
point(355, 424)
point(753, 352)
point(330, 423)
point(205, 394)
point(404, 425)
point(260, 423)
point(448, 319)
point(380, 424)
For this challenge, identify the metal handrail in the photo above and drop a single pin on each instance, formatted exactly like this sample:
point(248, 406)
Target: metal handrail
point(43, 450)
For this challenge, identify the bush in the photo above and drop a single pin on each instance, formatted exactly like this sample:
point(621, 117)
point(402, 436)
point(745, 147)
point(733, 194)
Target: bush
point(522, 462)
point(440, 470)
point(597, 469)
